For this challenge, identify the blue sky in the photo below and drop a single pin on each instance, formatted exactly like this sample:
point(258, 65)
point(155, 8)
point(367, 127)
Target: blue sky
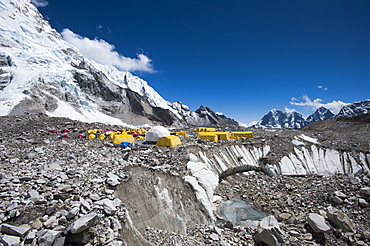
point(239, 57)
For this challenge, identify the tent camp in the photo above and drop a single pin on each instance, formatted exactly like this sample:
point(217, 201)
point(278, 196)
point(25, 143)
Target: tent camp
point(156, 133)
point(169, 141)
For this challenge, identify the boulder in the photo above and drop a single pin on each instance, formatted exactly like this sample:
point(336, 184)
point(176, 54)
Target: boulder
point(14, 231)
point(84, 223)
point(340, 220)
point(112, 180)
point(10, 240)
point(47, 237)
point(317, 223)
point(269, 232)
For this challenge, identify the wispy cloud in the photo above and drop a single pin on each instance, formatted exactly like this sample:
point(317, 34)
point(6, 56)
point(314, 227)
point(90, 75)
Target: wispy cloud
point(334, 106)
point(322, 87)
point(104, 53)
point(40, 3)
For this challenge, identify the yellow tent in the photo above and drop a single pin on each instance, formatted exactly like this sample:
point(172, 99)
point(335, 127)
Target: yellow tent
point(223, 135)
point(119, 138)
point(169, 141)
point(204, 129)
point(211, 136)
point(241, 135)
point(91, 136)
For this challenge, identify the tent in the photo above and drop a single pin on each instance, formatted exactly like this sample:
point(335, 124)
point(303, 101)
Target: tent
point(241, 135)
point(155, 133)
point(119, 138)
point(169, 141)
point(211, 136)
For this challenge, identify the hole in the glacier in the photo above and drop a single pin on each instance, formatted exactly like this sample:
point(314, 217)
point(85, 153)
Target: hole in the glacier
point(237, 210)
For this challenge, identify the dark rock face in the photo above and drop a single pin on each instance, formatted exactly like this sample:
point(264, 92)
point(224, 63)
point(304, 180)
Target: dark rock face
point(94, 82)
point(5, 76)
point(211, 118)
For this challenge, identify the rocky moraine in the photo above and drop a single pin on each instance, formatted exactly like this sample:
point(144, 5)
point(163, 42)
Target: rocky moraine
point(59, 191)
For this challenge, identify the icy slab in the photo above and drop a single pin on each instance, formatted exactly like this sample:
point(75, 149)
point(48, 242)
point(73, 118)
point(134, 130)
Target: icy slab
point(308, 139)
point(201, 195)
point(297, 143)
point(326, 162)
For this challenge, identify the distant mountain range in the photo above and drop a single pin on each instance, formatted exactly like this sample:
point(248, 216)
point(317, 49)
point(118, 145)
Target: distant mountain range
point(293, 119)
point(42, 73)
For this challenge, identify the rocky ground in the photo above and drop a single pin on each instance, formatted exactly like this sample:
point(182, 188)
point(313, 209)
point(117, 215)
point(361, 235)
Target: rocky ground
point(59, 191)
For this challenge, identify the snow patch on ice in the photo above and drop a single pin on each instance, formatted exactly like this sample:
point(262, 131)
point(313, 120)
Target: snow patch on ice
point(308, 139)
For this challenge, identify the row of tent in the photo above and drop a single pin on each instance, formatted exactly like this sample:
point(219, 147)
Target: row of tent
point(216, 136)
point(158, 135)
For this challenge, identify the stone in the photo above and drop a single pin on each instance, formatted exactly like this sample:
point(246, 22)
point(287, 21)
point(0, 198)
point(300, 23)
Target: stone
point(94, 197)
point(30, 237)
point(317, 223)
point(73, 212)
point(268, 238)
point(59, 241)
point(284, 216)
point(108, 206)
point(214, 237)
point(269, 232)
point(337, 200)
point(84, 223)
point(14, 231)
point(34, 195)
point(10, 240)
point(112, 180)
point(47, 237)
point(218, 230)
point(50, 211)
point(51, 222)
point(340, 194)
point(362, 202)
point(365, 192)
point(341, 220)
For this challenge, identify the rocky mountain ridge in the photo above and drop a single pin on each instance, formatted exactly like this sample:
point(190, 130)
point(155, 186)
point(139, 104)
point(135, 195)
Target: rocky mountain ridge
point(41, 73)
point(293, 119)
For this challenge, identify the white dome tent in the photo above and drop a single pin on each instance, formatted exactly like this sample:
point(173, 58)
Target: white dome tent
point(155, 133)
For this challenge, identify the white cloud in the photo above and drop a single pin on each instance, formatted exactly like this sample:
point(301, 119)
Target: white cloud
point(102, 52)
point(334, 106)
point(322, 87)
point(40, 3)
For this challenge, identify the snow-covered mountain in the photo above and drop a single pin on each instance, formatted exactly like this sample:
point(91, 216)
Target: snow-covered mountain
point(292, 119)
point(41, 73)
point(355, 109)
point(282, 119)
point(320, 114)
